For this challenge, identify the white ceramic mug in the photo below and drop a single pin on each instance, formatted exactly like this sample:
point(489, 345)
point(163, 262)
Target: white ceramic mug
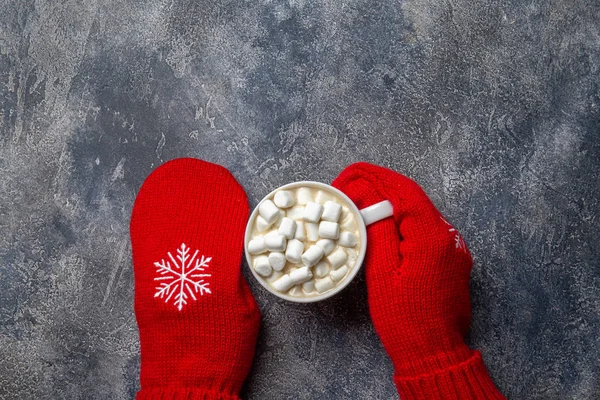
point(363, 217)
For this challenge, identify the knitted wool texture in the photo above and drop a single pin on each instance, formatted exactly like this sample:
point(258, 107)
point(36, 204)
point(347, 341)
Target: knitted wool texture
point(198, 335)
point(417, 272)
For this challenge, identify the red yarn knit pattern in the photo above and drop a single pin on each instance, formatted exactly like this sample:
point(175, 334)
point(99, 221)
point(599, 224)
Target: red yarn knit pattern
point(197, 318)
point(417, 272)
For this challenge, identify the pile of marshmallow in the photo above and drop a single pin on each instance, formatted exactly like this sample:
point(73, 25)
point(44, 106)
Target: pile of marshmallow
point(304, 241)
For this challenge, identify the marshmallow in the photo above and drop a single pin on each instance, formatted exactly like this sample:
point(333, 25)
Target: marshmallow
point(287, 228)
point(327, 245)
point(337, 258)
point(338, 274)
point(352, 256)
point(269, 211)
point(300, 232)
point(283, 199)
point(304, 195)
point(296, 291)
point(262, 266)
point(257, 245)
point(323, 285)
point(348, 239)
point(308, 286)
point(277, 261)
point(312, 211)
point(345, 213)
point(275, 242)
point(329, 230)
point(331, 211)
point(301, 275)
point(282, 284)
point(321, 197)
point(294, 250)
point(295, 212)
point(274, 276)
point(349, 224)
point(312, 231)
point(261, 224)
point(280, 215)
point(321, 269)
point(312, 255)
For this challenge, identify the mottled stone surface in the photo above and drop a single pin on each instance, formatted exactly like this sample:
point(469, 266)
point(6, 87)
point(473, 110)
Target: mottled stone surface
point(494, 107)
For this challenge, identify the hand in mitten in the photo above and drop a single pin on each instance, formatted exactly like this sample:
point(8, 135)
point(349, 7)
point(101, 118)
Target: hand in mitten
point(417, 272)
point(197, 318)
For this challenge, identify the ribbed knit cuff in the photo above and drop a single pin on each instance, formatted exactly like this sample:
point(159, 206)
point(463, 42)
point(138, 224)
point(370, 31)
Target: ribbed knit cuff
point(464, 381)
point(182, 394)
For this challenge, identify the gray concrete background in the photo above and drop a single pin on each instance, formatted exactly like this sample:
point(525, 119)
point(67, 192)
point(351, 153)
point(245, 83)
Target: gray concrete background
point(494, 107)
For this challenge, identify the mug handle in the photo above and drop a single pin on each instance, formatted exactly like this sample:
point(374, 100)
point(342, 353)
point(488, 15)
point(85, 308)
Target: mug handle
point(377, 212)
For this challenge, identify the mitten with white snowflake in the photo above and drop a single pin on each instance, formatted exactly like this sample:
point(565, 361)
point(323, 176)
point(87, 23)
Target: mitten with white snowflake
point(417, 273)
point(197, 318)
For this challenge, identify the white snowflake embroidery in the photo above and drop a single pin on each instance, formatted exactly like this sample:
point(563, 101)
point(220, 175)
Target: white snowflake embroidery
point(458, 240)
point(181, 279)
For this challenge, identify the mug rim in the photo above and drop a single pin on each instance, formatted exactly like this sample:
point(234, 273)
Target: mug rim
point(346, 280)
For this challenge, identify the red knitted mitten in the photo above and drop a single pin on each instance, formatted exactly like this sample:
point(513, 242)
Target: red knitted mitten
point(197, 318)
point(417, 271)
